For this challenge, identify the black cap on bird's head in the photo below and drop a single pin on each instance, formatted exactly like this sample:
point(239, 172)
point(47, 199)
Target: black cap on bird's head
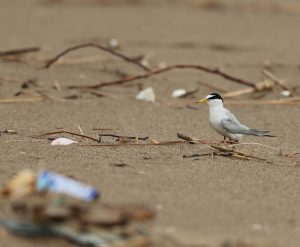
point(210, 97)
point(214, 96)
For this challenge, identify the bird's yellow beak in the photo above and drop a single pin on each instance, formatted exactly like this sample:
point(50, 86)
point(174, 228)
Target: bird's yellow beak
point(202, 101)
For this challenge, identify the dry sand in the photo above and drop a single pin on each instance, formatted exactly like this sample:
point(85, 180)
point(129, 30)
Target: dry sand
point(204, 201)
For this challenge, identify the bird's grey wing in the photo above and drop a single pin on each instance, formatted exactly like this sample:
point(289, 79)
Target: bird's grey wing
point(232, 125)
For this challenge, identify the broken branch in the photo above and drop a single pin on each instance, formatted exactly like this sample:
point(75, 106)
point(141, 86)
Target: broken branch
point(153, 72)
point(135, 61)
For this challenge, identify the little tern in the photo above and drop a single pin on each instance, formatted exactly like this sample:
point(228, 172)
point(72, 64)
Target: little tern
point(225, 123)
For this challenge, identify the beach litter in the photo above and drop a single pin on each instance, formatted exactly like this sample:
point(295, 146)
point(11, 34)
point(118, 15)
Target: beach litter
point(47, 204)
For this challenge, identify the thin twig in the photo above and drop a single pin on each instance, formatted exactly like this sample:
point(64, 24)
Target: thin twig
point(8, 79)
point(153, 72)
point(291, 155)
point(277, 81)
point(80, 130)
point(102, 129)
point(235, 153)
point(221, 150)
point(287, 101)
point(100, 95)
point(195, 155)
point(261, 86)
point(66, 132)
point(22, 100)
point(192, 140)
point(103, 48)
point(46, 96)
point(125, 137)
point(136, 144)
point(19, 51)
point(186, 138)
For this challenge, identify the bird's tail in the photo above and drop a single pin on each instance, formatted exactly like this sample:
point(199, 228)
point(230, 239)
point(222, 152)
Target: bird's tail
point(259, 133)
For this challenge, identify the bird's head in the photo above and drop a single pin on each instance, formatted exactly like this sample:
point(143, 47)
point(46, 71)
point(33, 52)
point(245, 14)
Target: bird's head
point(213, 99)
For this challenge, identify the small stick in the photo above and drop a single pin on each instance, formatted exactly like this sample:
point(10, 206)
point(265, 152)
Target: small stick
point(186, 138)
point(277, 81)
point(235, 153)
point(80, 130)
point(19, 51)
point(291, 155)
point(22, 100)
point(102, 129)
point(153, 72)
point(67, 132)
point(191, 139)
point(135, 144)
point(223, 149)
point(103, 48)
point(128, 137)
point(261, 86)
point(287, 101)
point(195, 155)
point(57, 86)
point(46, 96)
point(100, 95)
point(8, 79)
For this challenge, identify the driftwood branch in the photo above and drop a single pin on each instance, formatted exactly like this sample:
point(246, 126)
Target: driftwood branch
point(135, 60)
point(153, 72)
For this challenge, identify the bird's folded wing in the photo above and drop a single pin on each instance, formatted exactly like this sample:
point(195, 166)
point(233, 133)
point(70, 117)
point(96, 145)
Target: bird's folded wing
point(233, 126)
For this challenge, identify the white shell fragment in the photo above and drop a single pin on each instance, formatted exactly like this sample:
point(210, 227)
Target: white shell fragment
point(114, 43)
point(285, 93)
point(179, 93)
point(62, 141)
point(146, 95)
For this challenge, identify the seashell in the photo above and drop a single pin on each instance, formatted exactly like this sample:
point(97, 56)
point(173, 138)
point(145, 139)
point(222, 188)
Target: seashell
point(62, 141)
point(146, 95)
point(285, 93)
point(179, 93)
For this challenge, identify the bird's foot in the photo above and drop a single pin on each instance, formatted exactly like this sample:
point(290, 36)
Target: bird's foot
point(231, 141)
point(223, 141)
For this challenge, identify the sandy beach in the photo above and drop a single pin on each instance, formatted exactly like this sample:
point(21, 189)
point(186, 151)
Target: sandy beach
point(200, 201)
